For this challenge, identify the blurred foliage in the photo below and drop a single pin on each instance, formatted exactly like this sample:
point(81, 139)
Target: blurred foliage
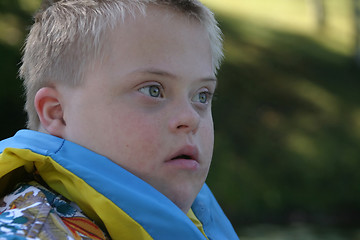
point(287, 114)
point(297, 232)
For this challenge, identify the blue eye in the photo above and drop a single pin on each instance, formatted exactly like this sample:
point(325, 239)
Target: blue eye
point(202, 97)
point(152, 91)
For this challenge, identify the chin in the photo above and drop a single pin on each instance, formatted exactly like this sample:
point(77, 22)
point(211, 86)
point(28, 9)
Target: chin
point(184, 197)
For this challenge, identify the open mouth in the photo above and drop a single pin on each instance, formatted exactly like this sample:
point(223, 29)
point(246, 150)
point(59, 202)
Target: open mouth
point(186, 158)
point(182, 156)
point(187, 152)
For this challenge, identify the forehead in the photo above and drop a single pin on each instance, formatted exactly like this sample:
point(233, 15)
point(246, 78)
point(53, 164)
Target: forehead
point(160, 39)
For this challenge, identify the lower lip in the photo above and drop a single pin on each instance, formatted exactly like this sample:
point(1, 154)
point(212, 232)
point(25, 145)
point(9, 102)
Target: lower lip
point(186, 164)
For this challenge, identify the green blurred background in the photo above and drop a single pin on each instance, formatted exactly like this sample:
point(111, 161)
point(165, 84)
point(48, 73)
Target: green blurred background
point(287, 114)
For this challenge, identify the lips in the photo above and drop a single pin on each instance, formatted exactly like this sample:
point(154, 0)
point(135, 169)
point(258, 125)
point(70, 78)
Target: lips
point(188, 152)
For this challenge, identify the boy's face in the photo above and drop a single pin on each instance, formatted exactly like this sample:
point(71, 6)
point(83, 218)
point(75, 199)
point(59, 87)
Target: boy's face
point(147, 106)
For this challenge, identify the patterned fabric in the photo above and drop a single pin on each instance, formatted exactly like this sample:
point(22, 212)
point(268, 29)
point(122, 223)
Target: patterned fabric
point(34, 212)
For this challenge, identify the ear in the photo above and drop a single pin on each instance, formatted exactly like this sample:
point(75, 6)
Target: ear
point(49, 108)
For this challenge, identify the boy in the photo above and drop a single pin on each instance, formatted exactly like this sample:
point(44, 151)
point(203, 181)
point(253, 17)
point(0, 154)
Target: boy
point(119, 93)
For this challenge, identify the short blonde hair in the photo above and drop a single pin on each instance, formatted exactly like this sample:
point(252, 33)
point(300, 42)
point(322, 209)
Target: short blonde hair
point(68, 35)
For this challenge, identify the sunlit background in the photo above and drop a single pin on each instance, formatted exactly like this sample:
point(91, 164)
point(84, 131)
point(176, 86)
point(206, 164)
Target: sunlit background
point(287, 114)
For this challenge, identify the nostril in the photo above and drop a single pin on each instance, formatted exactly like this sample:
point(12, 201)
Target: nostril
point(181, 126)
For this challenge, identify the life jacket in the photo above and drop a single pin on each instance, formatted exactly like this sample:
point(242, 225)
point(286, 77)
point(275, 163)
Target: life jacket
point(120, 203)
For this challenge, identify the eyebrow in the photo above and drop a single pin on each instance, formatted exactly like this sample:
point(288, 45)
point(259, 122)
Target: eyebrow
point(162, 73)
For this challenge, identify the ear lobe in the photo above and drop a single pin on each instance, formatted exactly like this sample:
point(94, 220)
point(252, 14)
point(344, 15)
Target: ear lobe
point(49, 108)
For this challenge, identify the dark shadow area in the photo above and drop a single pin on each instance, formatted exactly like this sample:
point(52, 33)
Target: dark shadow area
point(11, 94)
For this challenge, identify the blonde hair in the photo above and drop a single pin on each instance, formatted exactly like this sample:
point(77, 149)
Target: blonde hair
point(68, 35)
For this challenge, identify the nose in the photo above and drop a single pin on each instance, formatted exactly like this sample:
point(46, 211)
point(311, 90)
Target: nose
point(184, 118)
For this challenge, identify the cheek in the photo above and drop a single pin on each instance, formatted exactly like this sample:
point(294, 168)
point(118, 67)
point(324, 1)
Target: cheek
point(140, 138)
point(141, 129)
point(209, 132)
point(145, 140)
point(207, 139)
point(210, 144)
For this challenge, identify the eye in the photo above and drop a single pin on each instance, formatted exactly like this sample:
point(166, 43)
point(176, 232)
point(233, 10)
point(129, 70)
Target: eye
point(154, 91)
point(202, 97)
